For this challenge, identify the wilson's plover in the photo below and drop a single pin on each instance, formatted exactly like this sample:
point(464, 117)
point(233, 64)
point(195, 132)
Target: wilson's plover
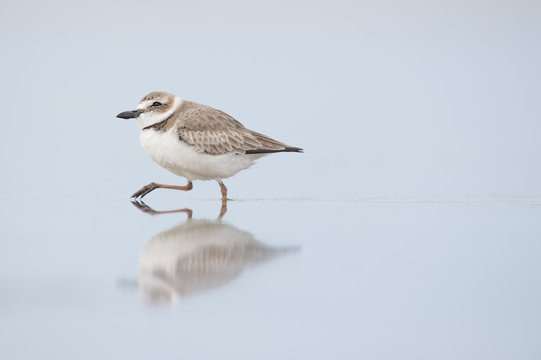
point(196, 141)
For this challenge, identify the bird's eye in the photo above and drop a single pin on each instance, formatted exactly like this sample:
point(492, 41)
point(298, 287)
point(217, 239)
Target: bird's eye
point(156, 104)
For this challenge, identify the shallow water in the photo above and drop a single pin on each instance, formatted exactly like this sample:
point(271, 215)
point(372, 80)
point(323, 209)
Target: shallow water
point(273, 279)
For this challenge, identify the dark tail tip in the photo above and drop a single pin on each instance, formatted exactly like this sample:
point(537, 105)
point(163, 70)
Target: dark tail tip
point(267, 151)
point(293, 149)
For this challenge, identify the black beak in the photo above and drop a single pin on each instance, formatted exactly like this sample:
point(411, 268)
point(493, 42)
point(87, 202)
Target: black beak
point(129, 114)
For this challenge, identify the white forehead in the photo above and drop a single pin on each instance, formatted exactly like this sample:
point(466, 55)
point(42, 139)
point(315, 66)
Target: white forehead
point(144, 104)
point(147, 118)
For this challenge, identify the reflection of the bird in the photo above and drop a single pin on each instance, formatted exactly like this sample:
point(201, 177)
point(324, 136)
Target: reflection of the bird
point(196, 256)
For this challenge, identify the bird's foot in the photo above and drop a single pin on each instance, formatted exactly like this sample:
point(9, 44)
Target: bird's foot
point(144, 191)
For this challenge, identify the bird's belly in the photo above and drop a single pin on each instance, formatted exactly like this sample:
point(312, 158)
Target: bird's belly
point(182, 159)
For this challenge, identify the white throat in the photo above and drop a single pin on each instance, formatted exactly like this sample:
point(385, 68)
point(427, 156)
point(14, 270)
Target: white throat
point(149, 118)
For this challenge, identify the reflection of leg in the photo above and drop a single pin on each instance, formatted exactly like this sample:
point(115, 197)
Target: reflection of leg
point(223, 210)
point(153, 186)
point(147, 209)
point(223, 189)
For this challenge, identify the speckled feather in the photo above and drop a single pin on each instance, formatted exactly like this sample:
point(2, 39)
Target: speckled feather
point(214, 132)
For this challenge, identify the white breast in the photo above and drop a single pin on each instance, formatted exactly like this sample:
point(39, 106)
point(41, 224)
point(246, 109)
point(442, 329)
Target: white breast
point(167, 150)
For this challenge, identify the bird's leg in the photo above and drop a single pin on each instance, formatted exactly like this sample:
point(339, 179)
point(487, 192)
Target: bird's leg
point(223, 189)
point(153, 186)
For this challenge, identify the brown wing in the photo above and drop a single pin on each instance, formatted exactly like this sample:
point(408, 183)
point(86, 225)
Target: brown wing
point(214, 132)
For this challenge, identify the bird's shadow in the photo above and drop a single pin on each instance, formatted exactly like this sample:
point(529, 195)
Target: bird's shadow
point(196, 256)
point(142, 206)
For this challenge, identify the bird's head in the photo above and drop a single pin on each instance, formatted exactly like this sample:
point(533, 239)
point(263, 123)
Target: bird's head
point(152, 109)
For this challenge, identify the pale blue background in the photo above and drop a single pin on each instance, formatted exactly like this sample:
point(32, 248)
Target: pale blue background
point(416, 203)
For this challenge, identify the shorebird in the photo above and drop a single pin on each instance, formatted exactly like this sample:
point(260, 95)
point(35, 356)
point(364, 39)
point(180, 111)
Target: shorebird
point(196, 141)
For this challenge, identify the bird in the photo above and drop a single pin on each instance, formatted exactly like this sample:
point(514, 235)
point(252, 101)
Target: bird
point(196, 141)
